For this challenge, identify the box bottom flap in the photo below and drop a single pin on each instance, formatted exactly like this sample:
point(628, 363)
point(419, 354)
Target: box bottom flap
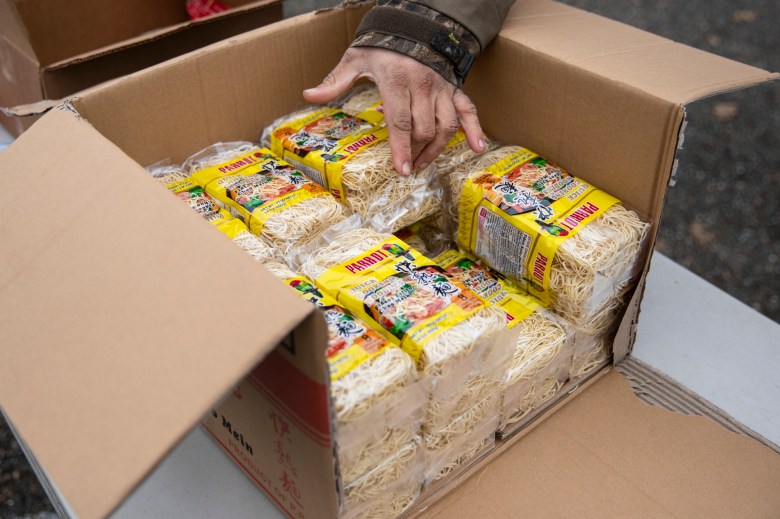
point(608, 454)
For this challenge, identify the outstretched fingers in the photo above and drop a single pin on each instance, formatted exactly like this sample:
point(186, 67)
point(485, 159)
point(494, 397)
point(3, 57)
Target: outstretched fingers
point(467, 115)
point(339, 80)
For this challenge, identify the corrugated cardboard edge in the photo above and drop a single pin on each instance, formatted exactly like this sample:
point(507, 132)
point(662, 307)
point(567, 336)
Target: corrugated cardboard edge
point(654, 388)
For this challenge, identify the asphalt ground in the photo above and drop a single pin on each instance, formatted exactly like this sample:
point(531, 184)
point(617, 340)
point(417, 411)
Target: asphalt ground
point(721, 219)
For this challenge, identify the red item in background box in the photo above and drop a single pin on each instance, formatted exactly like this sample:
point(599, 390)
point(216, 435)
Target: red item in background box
point(202, 8)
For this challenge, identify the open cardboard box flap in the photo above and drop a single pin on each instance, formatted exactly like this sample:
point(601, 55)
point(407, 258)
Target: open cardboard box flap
point(607, 454)
point(125, 318)
point(119, 331)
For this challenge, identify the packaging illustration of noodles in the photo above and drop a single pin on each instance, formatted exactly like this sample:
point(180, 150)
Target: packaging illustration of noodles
point(275, 200)
point(193, 195)
point(350, 156)
point(379, 401)
point(568, 243)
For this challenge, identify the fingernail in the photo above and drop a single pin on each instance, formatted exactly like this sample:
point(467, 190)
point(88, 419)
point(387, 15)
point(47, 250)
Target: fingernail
point(481, 144)
point(422, 165)
point(406, 170)
point(309, 90)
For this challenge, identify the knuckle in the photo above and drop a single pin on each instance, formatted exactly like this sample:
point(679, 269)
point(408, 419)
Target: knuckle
point(330, 79)
point(402, 121)
point(348, 57)
point(425, 133)
point(397, 79)
point(450, 126)
point(470, 108)
point(424, 83)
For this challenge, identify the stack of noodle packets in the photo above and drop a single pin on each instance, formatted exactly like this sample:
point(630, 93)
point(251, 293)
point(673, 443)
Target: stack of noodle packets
point(379, 404)
point(348, 152)
point(540, 344)
point(451, 333)
point(568, 243)
point(185, 189)
point(277, 202)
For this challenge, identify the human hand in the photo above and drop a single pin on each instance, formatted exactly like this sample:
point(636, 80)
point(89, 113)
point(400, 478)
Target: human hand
point(422, 109)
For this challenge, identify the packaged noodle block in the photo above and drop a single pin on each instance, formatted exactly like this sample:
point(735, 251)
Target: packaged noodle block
point(590, 355)
point(465, 445)
point(379, 401)
point(350, 156)
point(277, 202)
point(568, 243)
point(186, 190)
point(363, 101)
point(537, 340)
point(390, 488)
point(451, 332)
point(532, 394)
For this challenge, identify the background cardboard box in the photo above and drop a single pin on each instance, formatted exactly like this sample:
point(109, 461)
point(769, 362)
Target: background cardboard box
point(51, 49)
point(128, 358)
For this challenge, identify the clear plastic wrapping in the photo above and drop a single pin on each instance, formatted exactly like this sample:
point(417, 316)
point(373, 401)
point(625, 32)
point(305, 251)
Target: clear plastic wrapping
point(430, 236)
point(530, 394)
point(466, 445)
point(176, 181)
point(276, 201)
point(359, 99)
point(590, 355)
point(351, 158)
point(389, 489)
point(543, 349)
point(590, 270)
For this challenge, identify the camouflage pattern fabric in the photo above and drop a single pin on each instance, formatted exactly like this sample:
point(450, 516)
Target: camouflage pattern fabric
point(424, 51)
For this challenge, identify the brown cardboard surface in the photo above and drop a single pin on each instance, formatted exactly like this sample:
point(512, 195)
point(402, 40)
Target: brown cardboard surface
point(114, 39)
point(51, 26)
point(624, 54)
point(124, 317)
point(606, 454)
point(78, 73)
point(20, 82)
point(12, 29)
point(214, 94)
point(213, 23)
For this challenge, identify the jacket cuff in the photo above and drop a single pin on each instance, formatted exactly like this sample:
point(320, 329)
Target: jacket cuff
point(421, 33)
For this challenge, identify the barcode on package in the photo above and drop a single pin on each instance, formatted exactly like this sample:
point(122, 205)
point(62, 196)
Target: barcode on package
point(503, 246)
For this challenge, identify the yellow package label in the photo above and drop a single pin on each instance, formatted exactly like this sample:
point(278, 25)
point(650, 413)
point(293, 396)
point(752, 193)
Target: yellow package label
point(320, 143)
point(203, 204)
point(456, 139)
point(257, 185)
point(404, 295)
point(350, 341)
point(487, 284)
point(515, 215)
point(375, 114)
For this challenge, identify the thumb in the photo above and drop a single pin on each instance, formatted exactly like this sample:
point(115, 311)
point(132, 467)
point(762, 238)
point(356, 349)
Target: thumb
point(338, 81)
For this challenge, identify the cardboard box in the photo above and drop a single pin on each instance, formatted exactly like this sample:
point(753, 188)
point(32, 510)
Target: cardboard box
point(49, 49)
point(126, 319)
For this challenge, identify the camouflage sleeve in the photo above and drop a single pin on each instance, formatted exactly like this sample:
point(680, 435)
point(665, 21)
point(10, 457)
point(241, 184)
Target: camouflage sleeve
point(422, 33)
